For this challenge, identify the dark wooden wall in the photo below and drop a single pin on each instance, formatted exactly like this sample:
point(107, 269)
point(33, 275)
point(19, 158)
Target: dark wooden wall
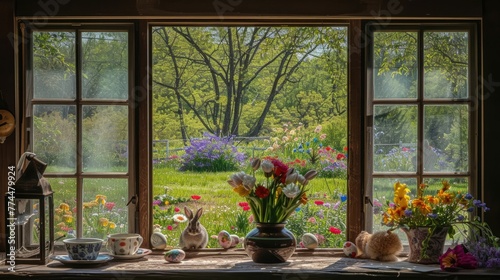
point(224, 10)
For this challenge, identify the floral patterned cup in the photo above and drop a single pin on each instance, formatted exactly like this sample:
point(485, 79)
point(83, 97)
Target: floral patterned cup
point(83, 248)
point(124, 243)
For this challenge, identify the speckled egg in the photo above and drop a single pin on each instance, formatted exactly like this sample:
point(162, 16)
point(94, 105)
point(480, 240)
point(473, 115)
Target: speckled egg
point(225, 239)
point(350, 249)
point(175, 255)
point(235, 240)
point(158, 240)
point(310, 240)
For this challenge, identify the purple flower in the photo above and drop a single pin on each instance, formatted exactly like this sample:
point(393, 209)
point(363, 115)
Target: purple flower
point(460, 218)
point(157, 202)
point(432, 215)
point(343, 198)
point(408, 212)
point(468, 196)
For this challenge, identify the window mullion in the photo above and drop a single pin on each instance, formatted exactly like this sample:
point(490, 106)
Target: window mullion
point(420, 107)
point(79, 146)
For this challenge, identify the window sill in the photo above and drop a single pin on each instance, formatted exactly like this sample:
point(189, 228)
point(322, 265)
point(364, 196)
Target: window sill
point(235, 264)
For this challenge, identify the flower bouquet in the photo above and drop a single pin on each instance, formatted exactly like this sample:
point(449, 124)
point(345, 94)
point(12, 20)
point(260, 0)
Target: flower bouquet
point(443, 212)
point(271, 203)
point(277, 198)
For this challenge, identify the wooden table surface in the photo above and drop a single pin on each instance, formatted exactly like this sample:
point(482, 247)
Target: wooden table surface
point(234, 264)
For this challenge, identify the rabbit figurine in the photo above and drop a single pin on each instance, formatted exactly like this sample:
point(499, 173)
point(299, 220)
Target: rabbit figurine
point(194, 236)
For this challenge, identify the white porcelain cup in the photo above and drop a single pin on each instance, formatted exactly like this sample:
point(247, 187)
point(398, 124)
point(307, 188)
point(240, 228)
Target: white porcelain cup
point(124, 243)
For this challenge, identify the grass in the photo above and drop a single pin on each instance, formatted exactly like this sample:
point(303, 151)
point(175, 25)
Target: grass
point(220, 203)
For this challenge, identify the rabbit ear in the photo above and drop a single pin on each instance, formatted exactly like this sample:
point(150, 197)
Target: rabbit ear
point(199, 213)
point(188, 212)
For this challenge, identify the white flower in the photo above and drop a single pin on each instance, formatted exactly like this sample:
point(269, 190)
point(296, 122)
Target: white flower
point(291, 190)
point(179, 218)
point(248, 182)
point(292, 177)
point(267, 166)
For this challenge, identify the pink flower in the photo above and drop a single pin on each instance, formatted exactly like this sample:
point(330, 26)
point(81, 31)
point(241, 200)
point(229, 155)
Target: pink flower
point(250, 219)
point(195, 197)
point(169, 227)
point(335, 230)
point(177, 210)
point(312, 220)
point(457, 258)
point(318, 202)
point(109, 205)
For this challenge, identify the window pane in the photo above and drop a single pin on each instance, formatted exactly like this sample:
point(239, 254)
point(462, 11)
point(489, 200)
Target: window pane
point(395, 65)
point(105, 138)
point(383, 192)
point(105, 65)
point(64, 207)
point(394, 138)
point(446, 64)
point(446, 145)
point(105, 208)
point(54, 137)
point(54, 65)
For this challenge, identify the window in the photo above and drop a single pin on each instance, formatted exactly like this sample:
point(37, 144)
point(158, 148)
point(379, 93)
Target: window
point(82, 125)
point(421, 110)
point(280, 91)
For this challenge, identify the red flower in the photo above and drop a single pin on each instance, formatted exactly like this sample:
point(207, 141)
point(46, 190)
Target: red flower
point(177, 210)
point(196, 197)
point(345, 149)
point(340, 156)
point(109, 205)
point(261, 192)
point(243, 204)
point(318, 202)
point(335, 230)
point(328, 148)
point(246, 208)
point(280, 169)
point(169, 227)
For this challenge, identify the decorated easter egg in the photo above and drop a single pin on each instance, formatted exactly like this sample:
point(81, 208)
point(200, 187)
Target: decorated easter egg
point(310, 240)
point(225, 239)
point(350, 249)
point(158, 240)
point(235, 240)
point(175, 255)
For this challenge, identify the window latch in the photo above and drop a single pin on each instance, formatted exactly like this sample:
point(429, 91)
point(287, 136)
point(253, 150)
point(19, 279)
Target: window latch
point(368, 200)
point(132, 200)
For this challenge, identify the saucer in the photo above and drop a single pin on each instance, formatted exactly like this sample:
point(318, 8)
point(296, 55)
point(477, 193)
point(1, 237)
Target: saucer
point(66, 260)
point(139, 254)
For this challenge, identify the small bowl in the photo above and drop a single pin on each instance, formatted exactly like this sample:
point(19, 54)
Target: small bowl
point(83, 248)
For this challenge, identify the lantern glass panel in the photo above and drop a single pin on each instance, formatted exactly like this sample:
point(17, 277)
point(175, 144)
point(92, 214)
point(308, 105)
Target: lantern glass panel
point(27, 233)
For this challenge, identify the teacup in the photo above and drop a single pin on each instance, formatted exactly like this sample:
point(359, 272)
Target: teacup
point(83, 248)
point(124, 243)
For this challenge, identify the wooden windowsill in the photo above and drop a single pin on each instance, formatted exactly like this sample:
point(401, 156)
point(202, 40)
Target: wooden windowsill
point(235, 264)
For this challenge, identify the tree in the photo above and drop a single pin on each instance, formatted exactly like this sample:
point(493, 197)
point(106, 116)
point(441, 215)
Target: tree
point(239, 80)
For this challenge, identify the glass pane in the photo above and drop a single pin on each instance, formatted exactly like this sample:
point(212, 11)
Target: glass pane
point(446, 59)
point(64, 207)
point(54, 137)
point(446, 134)
point(394, 138)
point(105, 65)
point(27, 230)
point(105, 138)
point(383, 193)
point(395, 65)
point(105, 208)
point(54, 65)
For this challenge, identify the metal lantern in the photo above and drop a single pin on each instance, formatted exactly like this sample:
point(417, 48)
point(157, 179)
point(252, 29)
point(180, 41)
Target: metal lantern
point(29, 208)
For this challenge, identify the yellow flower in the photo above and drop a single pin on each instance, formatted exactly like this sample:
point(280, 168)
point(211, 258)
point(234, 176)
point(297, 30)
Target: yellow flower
point(103, 222)
point(241, 190)
point(68, 218)
point(64, 207)
point(278, 192)
point(112, 225)
point(432, 199)
point(101, 198)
